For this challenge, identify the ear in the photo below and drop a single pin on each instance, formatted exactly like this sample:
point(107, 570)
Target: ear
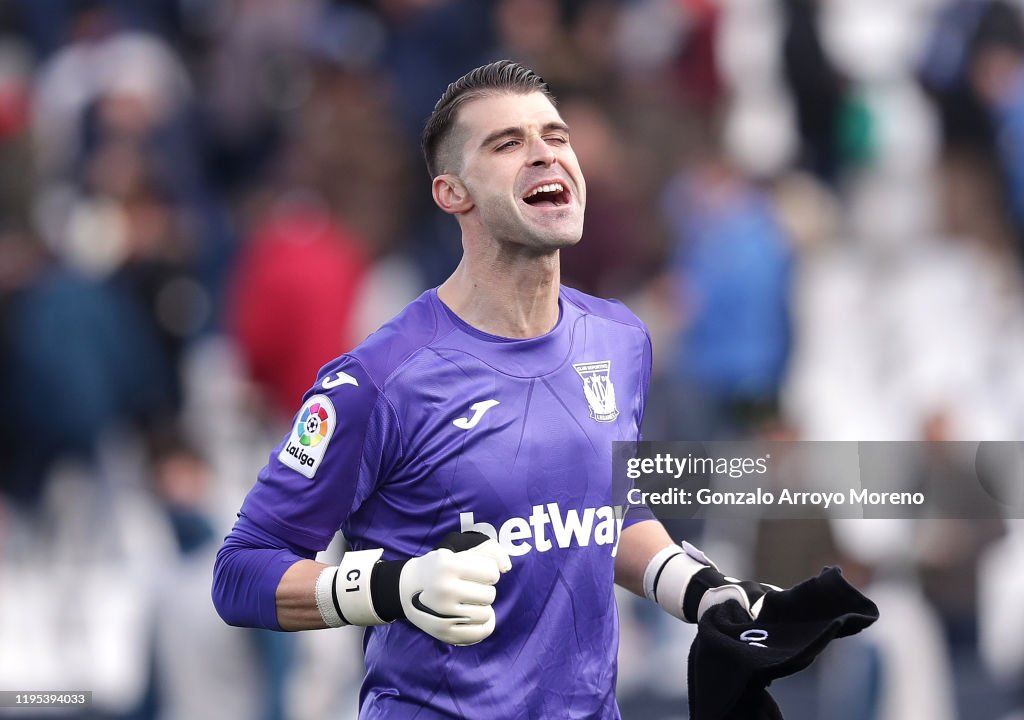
point(451, 195)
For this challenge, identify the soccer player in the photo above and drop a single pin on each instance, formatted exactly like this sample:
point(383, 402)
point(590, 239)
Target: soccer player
point(489, 405)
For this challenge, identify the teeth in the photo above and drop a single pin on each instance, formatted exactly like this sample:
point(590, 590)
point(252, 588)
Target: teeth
point(553, 187)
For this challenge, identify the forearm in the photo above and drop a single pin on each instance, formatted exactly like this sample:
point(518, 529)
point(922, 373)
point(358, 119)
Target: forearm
point(637, 545)
point(249, 569)
point(447, 593)
point(681, 579)
point(295, 598)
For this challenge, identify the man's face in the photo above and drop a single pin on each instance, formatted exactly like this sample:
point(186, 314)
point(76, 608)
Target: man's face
point(520, 171)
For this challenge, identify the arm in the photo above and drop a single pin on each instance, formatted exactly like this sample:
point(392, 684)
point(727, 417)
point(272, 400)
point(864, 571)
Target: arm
point(249, 568)
point(261, 581)
point(681, 579)
point(265, 574)
point(447, 593)
point(295, 597)
point(637, 545)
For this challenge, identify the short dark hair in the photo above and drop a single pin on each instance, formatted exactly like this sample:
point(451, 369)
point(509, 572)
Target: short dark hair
point(503, 76)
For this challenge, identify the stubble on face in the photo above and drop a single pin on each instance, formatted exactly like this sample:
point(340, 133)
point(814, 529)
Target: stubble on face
point(498, 173)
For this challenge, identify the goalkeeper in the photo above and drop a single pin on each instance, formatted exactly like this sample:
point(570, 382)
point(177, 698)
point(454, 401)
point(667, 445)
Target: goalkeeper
point(464, 449)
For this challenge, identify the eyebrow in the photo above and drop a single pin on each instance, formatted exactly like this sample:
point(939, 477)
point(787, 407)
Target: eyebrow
point(498, 134)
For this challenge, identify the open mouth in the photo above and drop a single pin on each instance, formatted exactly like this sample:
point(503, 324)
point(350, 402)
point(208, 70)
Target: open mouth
point(550, 195)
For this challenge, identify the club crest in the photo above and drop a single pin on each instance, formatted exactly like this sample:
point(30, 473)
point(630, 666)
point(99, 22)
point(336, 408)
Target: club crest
point(598, 389)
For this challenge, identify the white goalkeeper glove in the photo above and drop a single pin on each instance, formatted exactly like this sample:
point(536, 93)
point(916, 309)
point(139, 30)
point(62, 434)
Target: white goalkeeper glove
point(447, 593)
point(686, 583)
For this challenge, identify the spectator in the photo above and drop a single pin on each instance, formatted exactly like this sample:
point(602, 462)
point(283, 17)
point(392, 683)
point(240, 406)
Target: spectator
point(733, 265)
point(293, 295)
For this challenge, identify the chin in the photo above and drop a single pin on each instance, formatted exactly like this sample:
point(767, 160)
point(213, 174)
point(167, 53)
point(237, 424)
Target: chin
point(554, 241)
point(556, 238)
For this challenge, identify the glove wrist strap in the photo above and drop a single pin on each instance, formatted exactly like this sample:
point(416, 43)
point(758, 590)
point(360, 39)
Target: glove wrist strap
point(655, 568)
point(668, 577)
point(352, 588)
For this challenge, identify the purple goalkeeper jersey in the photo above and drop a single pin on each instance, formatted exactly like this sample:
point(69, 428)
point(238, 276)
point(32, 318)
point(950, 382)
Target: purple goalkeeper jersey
point(431, 426)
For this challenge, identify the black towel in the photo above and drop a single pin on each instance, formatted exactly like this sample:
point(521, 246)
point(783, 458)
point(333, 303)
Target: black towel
point(734, 659)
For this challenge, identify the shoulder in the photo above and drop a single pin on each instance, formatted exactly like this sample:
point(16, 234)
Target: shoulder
point(606, 309)
point(351, 397)
point(381, 355)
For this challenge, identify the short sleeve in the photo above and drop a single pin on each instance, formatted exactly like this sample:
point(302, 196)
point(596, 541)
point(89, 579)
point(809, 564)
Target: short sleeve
point(645, 378)
point(342, 442)
point(640, 512)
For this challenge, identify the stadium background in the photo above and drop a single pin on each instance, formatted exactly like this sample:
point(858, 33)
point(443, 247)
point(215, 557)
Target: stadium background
point(818, 208)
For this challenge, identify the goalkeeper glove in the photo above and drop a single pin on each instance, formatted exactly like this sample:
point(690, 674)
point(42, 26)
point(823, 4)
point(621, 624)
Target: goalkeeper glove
point(686, 583)
point(447, 593)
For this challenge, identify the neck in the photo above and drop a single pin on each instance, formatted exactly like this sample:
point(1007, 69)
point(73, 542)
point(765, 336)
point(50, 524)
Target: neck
point(507, 293)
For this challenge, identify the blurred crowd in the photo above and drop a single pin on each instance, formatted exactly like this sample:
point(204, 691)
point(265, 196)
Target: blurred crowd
point(817, 207)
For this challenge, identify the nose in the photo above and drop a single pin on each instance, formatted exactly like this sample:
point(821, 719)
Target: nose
point(541, 154)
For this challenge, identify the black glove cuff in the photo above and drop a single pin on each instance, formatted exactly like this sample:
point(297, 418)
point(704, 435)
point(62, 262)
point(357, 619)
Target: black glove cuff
point(699, 584)
point(459, 541)
point(384, 580)
point(384, 589)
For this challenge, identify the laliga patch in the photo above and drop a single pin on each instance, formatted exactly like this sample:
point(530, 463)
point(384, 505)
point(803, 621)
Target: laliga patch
point(310, 436)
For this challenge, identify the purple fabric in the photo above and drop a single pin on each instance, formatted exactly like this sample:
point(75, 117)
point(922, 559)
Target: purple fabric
point(431, 426)
point(247, 572)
